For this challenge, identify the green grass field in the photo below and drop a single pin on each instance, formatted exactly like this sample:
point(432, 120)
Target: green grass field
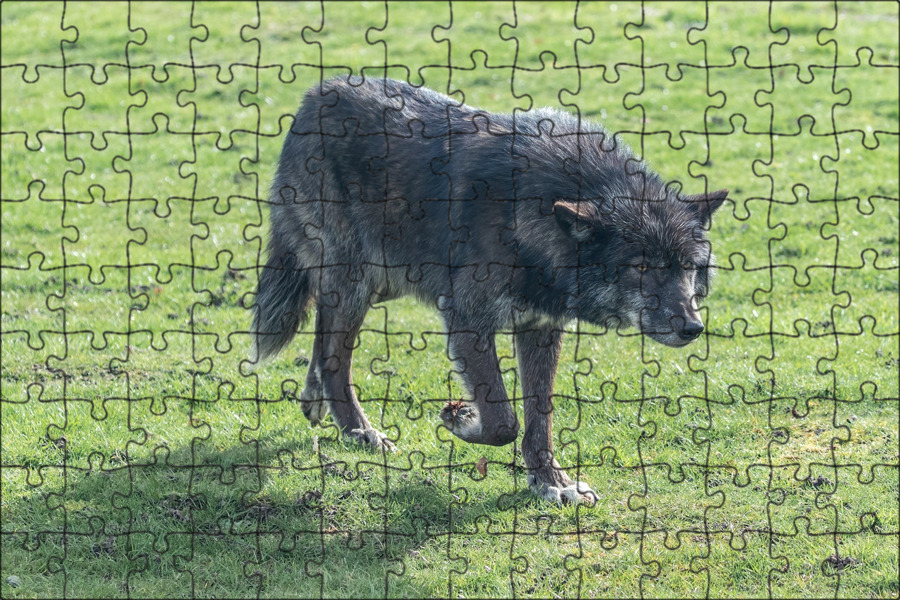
point(141, 458)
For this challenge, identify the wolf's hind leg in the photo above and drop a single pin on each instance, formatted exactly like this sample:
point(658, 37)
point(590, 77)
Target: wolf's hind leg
point(311, 398)
point(337, 328)
point(490, 419)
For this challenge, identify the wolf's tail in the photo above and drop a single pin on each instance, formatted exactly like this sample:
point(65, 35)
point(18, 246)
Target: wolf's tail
point(282, 303)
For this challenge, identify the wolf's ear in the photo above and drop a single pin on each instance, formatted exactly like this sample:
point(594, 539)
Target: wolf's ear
point(705, 205)
point(580, 220)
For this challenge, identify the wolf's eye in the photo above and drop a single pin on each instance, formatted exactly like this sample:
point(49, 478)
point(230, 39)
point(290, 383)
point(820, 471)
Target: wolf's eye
point(642, 268)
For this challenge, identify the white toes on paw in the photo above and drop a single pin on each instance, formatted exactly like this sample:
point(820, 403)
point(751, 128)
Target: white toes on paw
point(373, 438)
point(550, 493)
point(578, 492)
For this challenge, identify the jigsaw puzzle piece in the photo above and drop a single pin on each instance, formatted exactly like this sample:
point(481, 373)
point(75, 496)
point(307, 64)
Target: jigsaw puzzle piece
point(878, 256)
point(793, 101)
point(562, 571)
point(22, 48)
point(738, 557)
point(602, 50)
point(784, 291)
point(161, 69)
point(676, 434)
point(34, 516)
point(827, 494)
point(96, 176)
point(156, 248)
point(665, 86)
point(91, 544)
point(101, 31)
point(277, 101)
point(224, 39)
point(409, 49)
point(159, 105)
point(751, 230)
point(22, 206)
point(95, 426)
point(107, 94)
point(286, 71)
point(468, 62)
point(33, 114)
point(160, 44)
point(103, 87)
point(614, 63)
point(342, 45)
point(802, 49)
point(161, 311)
point(227, 210)
point(802, 164)
point(678, 162)
point(856, 177)
point(81, 303)
point(661, 99)
point(734, 283)
point(801, 250)
point(725, 18)
point(796, 538)
point(546, 69)
point(663, 41)
point(94, 247)
point(868, 355)
point(865, 25)
point(32, 331)
point(665, 555)
point(41, 198)
point(213, 116)
point(290, 22)
point(164, 181)
point(737, 87)
point(678, 506)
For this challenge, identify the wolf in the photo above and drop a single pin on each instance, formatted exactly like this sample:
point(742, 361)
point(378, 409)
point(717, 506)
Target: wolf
point(503, 222)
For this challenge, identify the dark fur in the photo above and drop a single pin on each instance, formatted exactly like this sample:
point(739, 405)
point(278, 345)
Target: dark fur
point(503, 223)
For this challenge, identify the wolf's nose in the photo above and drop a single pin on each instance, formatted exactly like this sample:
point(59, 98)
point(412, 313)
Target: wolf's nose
point(691, 330)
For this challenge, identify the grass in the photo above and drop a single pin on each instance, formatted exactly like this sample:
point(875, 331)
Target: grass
point(141, 458)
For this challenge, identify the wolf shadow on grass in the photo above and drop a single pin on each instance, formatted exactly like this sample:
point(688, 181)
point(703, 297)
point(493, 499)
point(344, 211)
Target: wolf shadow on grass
point(283, 508)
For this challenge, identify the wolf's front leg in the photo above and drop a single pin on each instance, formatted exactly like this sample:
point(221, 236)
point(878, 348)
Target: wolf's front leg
point(489, 418)
point(538, 351)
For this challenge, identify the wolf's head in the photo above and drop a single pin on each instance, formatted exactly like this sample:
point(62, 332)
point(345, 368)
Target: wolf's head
point(644, 261)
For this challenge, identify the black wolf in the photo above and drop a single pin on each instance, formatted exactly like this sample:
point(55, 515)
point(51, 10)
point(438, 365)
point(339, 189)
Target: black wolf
point(519, 223)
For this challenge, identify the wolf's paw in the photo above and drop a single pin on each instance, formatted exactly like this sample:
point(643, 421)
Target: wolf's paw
point(313, 408)
point(463, 420)
point(372, 438)
point(570, 492)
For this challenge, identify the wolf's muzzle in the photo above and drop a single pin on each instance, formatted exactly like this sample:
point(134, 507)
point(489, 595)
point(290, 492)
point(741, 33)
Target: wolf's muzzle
point(690, 331)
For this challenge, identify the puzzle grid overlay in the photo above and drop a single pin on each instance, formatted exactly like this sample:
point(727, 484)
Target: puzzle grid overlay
point(177, 160)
